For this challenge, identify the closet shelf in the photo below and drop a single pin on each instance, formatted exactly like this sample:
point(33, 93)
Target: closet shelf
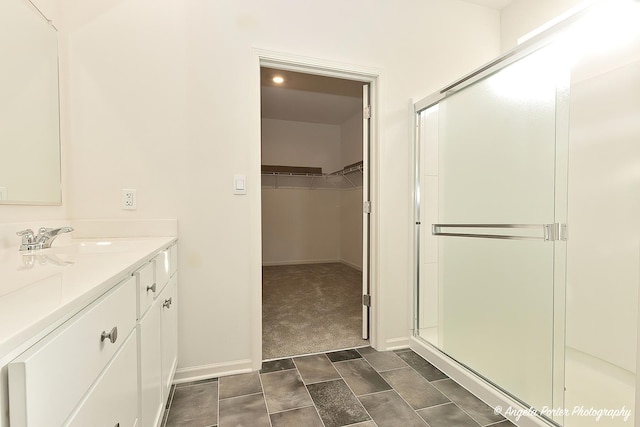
point(355, 167)
point(291, 171)
point(279, 175)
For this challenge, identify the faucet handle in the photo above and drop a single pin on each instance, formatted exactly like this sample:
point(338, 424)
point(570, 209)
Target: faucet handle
point(27, 235)
point(28, 240)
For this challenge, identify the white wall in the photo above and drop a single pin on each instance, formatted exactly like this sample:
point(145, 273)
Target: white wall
point(300, 226)
point(524, 16)
point(307, 225)
point(289, 143)
point(351, 227)
point(164, 98)
point(351, 140)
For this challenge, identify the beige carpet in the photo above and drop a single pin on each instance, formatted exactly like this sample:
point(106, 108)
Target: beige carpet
point(310, 308)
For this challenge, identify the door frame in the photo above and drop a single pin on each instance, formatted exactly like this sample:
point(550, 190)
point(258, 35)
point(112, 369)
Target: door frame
point(368, 75)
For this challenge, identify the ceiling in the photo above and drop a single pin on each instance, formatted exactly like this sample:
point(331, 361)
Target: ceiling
point(309, 98)
point(493, 4)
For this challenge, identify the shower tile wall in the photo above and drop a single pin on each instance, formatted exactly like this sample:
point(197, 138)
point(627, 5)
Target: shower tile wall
point(429, 282)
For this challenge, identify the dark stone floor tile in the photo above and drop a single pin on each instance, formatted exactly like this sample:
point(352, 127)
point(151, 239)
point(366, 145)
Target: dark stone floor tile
point(366, 350)
point(336, 404)
point(364, 424)
point(208, 380)
point(277, 365)
point(413, 388)
point(284, 390)
point(361, 377)
point(424, 368)
point(195, 405)
point(382, 360)
point(316, 368)
point(388, 410)
point(446, 416)
point(402, 350)
point(240, 385)
point(307, 417)
point(339, 356)
point(244, 411)
point(478, 410)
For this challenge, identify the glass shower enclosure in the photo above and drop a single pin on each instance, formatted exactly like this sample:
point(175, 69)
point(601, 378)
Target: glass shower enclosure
point(517, 167)
point(492, 221)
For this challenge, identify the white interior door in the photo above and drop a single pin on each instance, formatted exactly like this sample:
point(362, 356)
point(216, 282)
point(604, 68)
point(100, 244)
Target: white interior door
point(366, 203)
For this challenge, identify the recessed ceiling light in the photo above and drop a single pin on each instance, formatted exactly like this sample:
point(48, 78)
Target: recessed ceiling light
point(278, 79)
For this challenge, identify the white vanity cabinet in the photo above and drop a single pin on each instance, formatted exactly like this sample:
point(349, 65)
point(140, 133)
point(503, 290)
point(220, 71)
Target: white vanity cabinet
point(111, 360)
point(157, 334)
point(51, 383)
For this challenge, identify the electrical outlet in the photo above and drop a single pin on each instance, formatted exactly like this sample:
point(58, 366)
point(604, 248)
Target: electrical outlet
point(129, 201)
point(3, 193)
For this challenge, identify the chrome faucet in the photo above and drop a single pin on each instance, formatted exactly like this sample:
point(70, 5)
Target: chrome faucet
point(43, 240)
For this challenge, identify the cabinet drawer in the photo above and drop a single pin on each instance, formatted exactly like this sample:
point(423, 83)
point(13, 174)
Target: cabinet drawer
point(113, 401)
point(146, 287)
point(47, 381)
point(162, 270)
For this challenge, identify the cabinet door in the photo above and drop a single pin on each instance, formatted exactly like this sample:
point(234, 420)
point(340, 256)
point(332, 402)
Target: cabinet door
point(113, 401)
point(169, 326)
point(72, 357)
point(150, 365)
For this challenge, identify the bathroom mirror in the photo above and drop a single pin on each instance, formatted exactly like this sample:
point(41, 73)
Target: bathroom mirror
point(29, 107)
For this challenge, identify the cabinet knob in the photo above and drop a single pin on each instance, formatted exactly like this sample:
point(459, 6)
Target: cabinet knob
point(112, 336)
point(167, 303)
point(151, 288)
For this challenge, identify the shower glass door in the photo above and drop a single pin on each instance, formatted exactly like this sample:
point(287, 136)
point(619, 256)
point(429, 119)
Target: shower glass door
point(491, 226)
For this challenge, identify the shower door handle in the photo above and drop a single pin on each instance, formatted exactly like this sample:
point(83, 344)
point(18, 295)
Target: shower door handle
point(547, 232)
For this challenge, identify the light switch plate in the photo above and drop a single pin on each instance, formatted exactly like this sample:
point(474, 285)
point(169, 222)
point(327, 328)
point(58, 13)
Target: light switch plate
point(239, 184)
point(3, 193)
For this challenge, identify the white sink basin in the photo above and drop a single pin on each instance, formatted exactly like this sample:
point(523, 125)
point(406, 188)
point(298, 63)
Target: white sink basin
point(89, 247)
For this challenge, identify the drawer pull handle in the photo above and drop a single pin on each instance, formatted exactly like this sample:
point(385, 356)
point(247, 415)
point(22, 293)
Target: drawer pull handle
point(151, 288)
point(112, 336)
point(167, 303)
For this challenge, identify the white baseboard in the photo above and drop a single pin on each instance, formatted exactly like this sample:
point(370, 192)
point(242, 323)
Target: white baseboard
point(349, 264)
point(312, 261)
point(299, 262)
point(195, 373)
point(397, 343)
point(476, 385)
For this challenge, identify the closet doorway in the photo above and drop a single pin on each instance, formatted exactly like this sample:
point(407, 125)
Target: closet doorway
point(315, 221)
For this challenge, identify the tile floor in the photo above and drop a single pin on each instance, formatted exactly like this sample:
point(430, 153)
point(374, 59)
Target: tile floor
point(359, 387)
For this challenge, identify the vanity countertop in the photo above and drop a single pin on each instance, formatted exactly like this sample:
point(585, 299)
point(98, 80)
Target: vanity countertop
point(42, 289)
